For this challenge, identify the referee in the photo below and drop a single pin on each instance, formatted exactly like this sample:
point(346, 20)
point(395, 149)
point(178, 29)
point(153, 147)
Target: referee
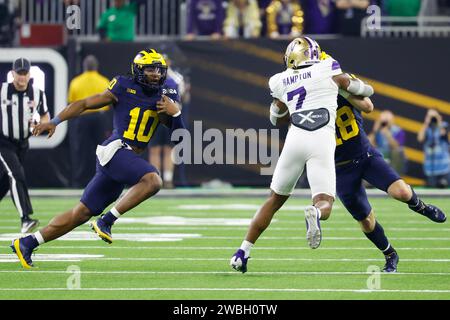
point(21, 104)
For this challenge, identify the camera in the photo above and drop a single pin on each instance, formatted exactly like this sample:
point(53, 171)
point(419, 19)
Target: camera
point(433, 120)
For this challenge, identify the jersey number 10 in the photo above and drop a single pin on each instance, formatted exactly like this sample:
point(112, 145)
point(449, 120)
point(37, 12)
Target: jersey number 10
point(141, 136)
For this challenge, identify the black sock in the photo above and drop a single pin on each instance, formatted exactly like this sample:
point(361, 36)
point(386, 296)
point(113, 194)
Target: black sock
point(109, 218)
point(379, 239)
point(415, 203)
point(30, 241)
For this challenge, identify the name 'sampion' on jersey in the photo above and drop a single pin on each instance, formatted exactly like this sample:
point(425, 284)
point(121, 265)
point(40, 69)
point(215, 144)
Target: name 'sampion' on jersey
point(293, 79)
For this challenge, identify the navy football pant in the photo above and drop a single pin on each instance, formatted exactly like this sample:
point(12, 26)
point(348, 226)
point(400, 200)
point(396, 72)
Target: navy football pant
point(370, 167)
point(126, 168)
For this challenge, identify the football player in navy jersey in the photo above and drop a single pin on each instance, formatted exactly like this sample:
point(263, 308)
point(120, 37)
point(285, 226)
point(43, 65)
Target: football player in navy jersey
point(356, 159)
point(139, 102)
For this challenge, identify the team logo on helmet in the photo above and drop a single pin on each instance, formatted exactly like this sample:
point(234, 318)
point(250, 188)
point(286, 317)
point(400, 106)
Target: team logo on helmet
point(302, 51)
point(149, 59)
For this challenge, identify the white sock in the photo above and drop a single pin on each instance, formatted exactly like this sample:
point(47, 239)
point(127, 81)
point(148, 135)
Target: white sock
point(320, 213)
point(114, 212)
point(39, 237)
point(168, 175)
point(246, 246)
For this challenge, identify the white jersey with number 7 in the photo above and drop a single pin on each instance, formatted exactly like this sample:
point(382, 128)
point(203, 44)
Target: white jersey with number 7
point(308, 88)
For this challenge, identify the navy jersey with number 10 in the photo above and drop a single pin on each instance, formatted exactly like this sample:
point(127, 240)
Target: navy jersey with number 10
point(351, 140)
point(135, 113)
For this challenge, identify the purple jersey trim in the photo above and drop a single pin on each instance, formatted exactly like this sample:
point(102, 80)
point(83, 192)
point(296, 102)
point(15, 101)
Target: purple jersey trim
point(335, 65)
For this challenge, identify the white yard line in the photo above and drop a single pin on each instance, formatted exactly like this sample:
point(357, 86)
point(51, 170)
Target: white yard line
point(274, 259)
point(187, 236)
point(233, 248)
point(216, 228)
point(46, 257)
point(327, 238)
point(299, 221)
point(234, 289)
point(280, 273)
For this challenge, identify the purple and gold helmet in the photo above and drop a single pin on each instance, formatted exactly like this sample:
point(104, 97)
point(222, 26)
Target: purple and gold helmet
point(302, 51)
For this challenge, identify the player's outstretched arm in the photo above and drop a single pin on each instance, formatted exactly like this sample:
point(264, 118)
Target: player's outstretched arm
point(363, 104)
point(279, 113)
point(354, 86)
point(74, 109)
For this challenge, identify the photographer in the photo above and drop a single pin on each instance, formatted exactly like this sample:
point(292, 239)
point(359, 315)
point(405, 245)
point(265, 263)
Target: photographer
point(434, 135)
point(389, 140)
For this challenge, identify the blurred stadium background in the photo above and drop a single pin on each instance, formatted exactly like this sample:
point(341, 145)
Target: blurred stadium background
point(404, 61)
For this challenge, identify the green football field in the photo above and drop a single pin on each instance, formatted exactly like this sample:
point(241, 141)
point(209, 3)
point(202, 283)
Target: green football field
point(179, 248)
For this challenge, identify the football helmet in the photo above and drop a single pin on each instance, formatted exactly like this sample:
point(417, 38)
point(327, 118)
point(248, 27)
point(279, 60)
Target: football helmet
point(301, 52)
point(149, 58)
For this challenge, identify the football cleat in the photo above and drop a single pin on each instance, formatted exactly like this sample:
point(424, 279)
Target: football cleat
point(29, 225)
point(102, 229)
point(391, 262)
point(23, 253)
point(433, 213)
point(239, 261)
point(313, 231)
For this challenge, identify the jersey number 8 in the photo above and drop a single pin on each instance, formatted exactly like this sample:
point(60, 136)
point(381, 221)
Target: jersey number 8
point(345, 125)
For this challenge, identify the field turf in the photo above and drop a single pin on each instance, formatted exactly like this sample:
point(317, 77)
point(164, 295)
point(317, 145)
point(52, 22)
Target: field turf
point(180, 248)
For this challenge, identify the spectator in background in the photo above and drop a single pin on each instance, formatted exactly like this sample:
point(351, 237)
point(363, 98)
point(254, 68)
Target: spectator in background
point(402, 8)
point(7, 23)
point(263, 4)
point(434, 135)
point(242, 19)
point(161, 146)
point(205, 18)
point(284, 17)
point(350, 14)
point(319, 15)
point(389, 139)
point(119, 22)
point(90, 128)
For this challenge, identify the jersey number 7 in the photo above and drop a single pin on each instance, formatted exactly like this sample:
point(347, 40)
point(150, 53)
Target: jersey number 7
point(301, 93)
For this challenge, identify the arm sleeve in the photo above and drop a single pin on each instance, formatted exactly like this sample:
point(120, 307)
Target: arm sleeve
point(335, 67)
point(171, 90)
point(275, 87)
point(115, 87)
point(42, 107)
point(177, 123)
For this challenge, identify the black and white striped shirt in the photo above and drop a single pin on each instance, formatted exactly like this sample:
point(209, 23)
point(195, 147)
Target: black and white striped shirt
point(18, 109)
